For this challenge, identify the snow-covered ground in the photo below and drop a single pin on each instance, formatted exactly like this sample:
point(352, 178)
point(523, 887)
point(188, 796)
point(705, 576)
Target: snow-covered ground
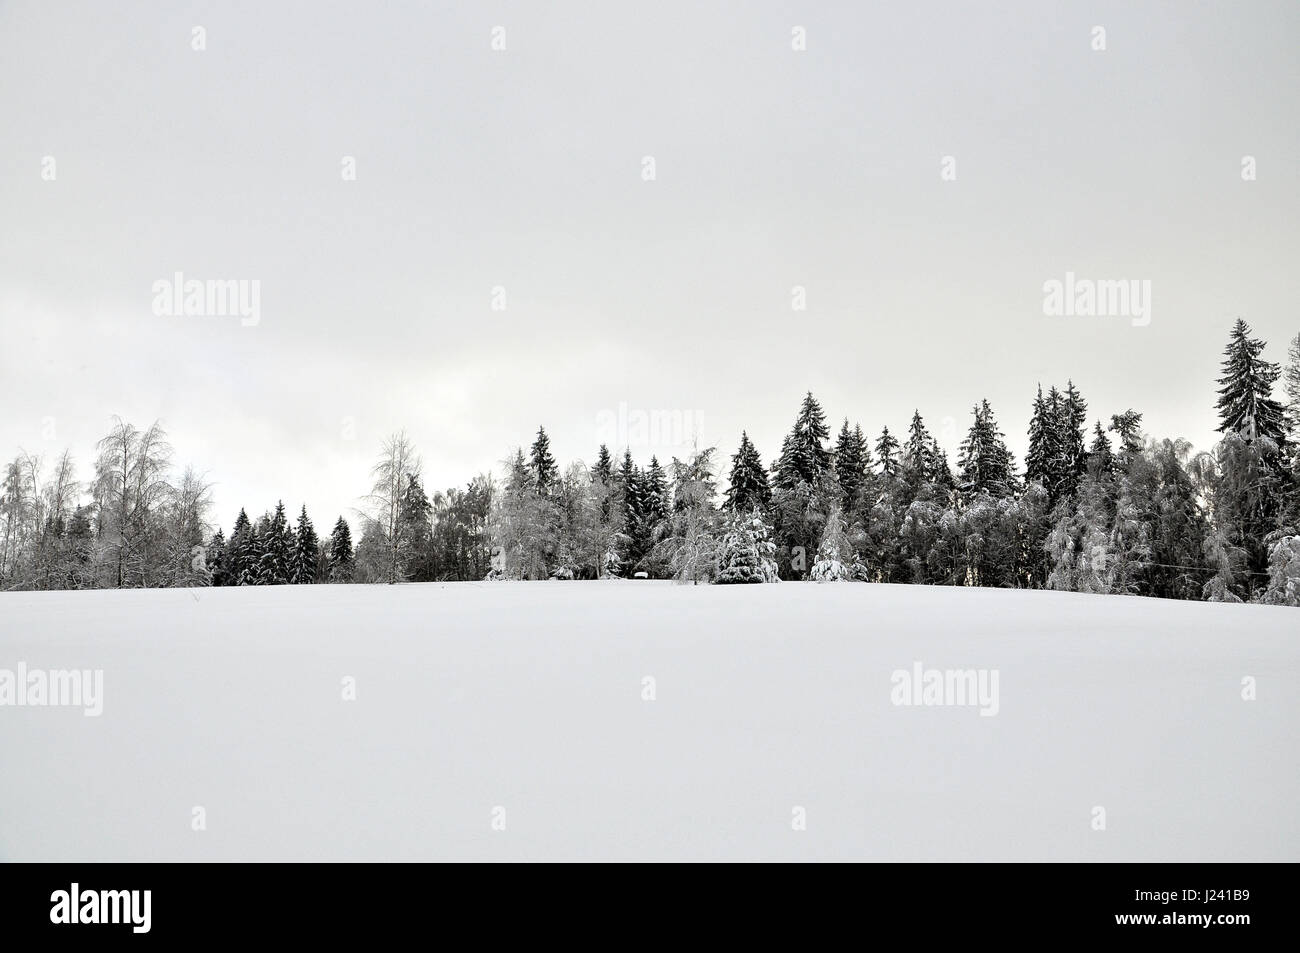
point(523, 704)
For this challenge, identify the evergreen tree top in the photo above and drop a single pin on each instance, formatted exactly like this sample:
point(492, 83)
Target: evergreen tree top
point(1246, 404)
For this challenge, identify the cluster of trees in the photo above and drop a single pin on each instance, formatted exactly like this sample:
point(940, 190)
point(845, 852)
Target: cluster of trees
point(133, 524)
point(1098, 508)
point(137, 523)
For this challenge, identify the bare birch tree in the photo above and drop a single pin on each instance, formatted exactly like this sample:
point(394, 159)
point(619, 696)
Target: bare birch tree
point(398, 462)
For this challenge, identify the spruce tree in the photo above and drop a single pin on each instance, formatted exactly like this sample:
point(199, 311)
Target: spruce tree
point(625, 488)
point(415, 533)
point(986, 464)
point(887, 453)
point(277, 548)
point(238, 557)
point(804, 456)
point(1291, 387)
point(217, 559)
point(250, 573)
point(1039, 456)
point(302, 567)
point(602, 480)
point(1246, 405)
point(1099, 454)
point(603, 470)
point(917, 457)
point(542, 463)
point(850, 465)
point(942, 478)
point(1128, 426)
point(836, 561)
point(747, 553)
point(1071, 428)
point(340, 554)
point(655, 493)
point(748, 486)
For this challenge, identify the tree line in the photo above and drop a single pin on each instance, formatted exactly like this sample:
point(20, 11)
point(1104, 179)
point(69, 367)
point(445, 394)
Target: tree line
point(1098, 507)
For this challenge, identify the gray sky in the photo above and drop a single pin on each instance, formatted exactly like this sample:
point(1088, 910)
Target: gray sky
point(522, 169)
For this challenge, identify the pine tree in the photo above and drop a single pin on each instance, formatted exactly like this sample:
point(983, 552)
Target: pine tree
point(748, 554)
point(918, 453)
point(851, 462)
point(602, 481)
point(942, 478)
point(340, 554)
point(238, 558)
point(625, 488)
point(217, 559)
point(655, 499)
point(1246, 404)
point(836, 560)
point(542, 463)
point(277, 547)
point(254, 548)
point(603, 470)
point(887, 453)
point(1038, 458)
point(1099, 454)
point(415, 529)
point(1128, 426)
point(986, 464)
point(1071, 428)
point(748, 483)
point(302, 565)
point(804, 456)
point(1291, 386)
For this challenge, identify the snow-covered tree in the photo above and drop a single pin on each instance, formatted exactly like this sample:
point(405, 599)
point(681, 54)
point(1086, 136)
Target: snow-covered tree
point(804, 455)
point(887, 453)
point(130, 489)
point(748, 483)
point(987, 466)
point(747, 554)
point(398, 462)
point(690, 543)
point(340, 552)
point(836, 561)
point(1284, 573)
point(542, 464)
point(852, 466)
point(306, 545)
point(1246, 405)
point(1291, 387)
point(277, 550)
point(523, 524)
point(184, 529)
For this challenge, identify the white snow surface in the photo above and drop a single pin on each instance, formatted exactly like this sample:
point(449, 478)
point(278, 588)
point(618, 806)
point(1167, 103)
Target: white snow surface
point(528, 697)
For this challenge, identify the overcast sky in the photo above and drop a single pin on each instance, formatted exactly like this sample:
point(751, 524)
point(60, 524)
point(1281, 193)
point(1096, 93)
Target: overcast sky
point(523, 169)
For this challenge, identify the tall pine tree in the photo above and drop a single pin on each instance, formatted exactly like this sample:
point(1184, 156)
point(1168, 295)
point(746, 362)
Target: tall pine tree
point(542, 463)
point(302, 565)
point(340, 555)
point(852, 459)
point(748, 487)
point(887, 453)
point(986, 463)
point(1246, 405)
